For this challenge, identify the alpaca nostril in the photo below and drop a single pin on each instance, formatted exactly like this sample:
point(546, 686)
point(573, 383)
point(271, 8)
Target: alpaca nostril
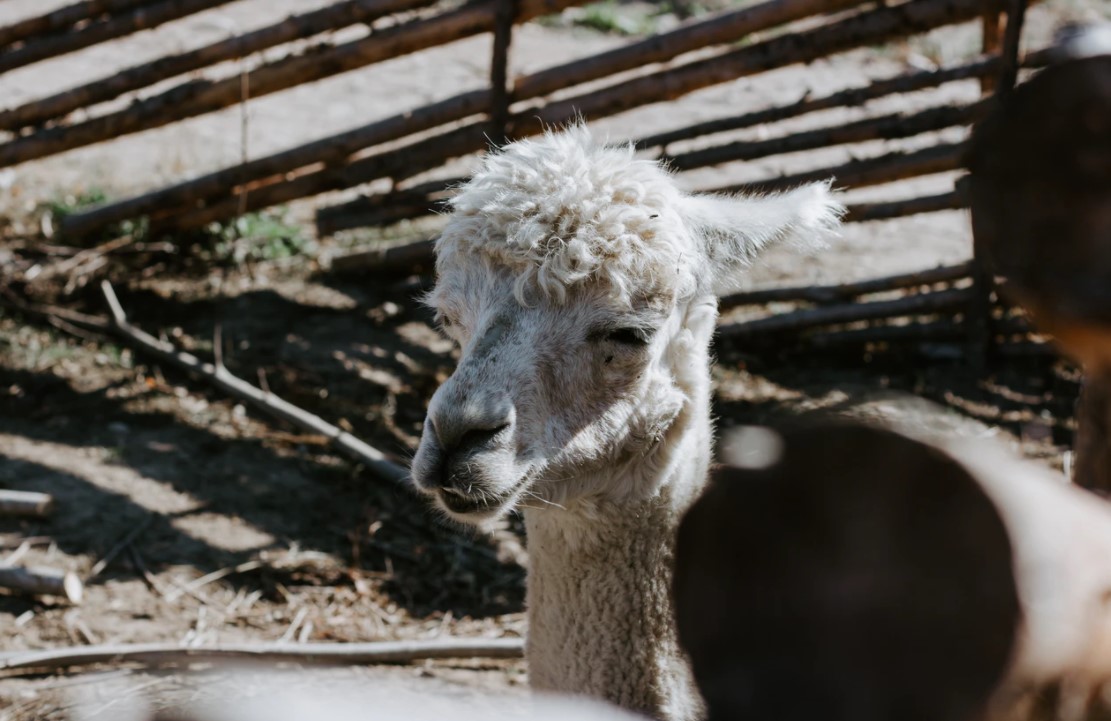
point(477, 437)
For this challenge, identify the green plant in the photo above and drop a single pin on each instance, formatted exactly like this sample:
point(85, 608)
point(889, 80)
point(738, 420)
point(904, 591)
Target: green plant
point(62, 205)
point(608, 17)
point(257, 237)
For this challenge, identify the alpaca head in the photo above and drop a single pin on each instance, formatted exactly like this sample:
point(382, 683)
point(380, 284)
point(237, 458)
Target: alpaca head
point(581, 286)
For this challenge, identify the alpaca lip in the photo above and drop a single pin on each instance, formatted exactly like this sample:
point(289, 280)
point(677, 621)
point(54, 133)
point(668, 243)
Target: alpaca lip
point(457, 502)
point(465, 503)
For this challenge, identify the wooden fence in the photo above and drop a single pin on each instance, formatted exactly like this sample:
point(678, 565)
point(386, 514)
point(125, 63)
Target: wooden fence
point(402, 147)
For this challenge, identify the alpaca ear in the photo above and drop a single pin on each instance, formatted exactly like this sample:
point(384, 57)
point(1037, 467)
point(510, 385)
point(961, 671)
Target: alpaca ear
point(732, 231)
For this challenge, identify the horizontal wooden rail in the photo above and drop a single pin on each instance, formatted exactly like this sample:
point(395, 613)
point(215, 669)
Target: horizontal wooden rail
point(62, 19)
point(715, 30)
point(885, 127)
point(865, 28)
point(332, 17)
point(862, 29)
point(338, 147)
point(920, 304)
point(824, 294)
point(865, 172)
point(852, 97)
point(887, 210)
point(198, 97)
point(110, 28)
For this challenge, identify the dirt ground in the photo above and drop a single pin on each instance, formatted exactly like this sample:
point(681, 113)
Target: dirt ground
point(219, 525)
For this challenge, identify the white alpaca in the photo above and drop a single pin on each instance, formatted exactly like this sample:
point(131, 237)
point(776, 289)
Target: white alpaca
point(581, 286)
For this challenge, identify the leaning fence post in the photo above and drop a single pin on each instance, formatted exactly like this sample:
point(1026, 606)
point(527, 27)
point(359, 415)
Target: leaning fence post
point(1001, 35)
point(500, 92)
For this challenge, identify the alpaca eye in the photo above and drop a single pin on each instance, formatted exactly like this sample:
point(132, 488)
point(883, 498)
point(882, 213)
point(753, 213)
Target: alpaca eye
point(628, 336)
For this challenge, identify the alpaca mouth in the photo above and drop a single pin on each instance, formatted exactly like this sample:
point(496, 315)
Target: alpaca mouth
point(476, 501)
point(463, 503)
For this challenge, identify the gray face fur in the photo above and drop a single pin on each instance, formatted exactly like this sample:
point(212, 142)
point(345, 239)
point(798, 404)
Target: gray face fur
point(580, 285)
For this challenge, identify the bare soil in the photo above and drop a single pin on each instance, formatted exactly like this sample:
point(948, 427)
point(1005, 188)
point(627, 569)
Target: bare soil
point(303, 545)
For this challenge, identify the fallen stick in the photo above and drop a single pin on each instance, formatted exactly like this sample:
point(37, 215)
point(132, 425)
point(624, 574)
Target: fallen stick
point(24, 662)
point(42, 582)
point(332, 17)
point(919, 304)
point(844, 291)
point(25, 503)
point(143, 18)
point(219, 376)
point(115, 550)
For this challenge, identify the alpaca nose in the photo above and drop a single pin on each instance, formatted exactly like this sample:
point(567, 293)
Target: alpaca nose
point(467, 429)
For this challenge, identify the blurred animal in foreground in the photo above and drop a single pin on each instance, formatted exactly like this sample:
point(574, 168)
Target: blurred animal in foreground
point(1040, 192)
point(851, 573)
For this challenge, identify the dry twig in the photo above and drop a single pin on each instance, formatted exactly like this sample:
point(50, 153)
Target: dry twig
point(24, 662)
point(25, 503)
point(222, 378)
point(42, 581)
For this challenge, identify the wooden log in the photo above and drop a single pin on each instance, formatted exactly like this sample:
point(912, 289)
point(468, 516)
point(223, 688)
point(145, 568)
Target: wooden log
point(869, 27)
point(62, 19)
point(42, 582)
point(142, 18)
point(865, 172)
point(853, 97)
point(911, 305)
point(25, 503)
point(885, 127)
point(292, 28)
point(383, 209)
point(886, 210)
point(407, 259)
point(825, 294)
point(865, 28)
point(727, 27)
point(954, 612)
point(197, 97)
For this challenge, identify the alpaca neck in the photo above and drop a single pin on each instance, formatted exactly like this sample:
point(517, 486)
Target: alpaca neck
point(599, 594)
